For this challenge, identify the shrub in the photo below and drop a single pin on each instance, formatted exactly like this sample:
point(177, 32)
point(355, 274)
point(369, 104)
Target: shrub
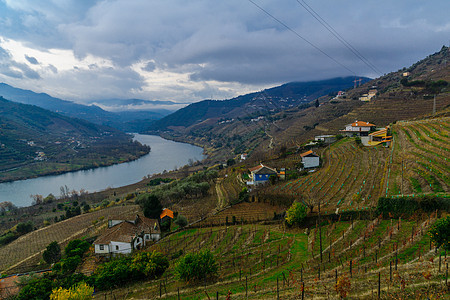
point(81, 291)
point(296, 213)
point(440, 233)
point(125, 269)
point(196, 266)
point(181, 221)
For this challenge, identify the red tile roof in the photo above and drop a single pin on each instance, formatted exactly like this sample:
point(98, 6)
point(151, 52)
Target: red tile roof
point(362, 124)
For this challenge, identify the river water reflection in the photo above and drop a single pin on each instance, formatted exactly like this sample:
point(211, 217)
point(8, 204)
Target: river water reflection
point(165, 155)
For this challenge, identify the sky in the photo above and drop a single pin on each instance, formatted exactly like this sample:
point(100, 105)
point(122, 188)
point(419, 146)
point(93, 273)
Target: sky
point(187, 51)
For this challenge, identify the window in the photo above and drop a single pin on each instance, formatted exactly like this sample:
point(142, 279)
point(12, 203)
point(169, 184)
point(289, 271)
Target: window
point(117, 247)
point(102, 247)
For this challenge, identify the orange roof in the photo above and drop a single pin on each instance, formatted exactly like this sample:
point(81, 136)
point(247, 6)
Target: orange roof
point(307, 153)
point(362, 124)
point(166, 212)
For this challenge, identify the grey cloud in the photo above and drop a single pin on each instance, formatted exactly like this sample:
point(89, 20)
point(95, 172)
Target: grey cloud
point(31, 60)
point(149, 67)
point(227, 41)
point(11, 68)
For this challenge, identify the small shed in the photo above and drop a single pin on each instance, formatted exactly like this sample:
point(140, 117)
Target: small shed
point(166, 215)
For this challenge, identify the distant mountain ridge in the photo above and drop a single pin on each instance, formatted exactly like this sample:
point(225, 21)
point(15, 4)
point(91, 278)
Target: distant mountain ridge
point(270, 100)
point(35, 141)
point(91, 113)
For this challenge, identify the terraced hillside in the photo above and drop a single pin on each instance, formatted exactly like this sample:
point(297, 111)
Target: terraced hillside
point(420, 158)
point(261, 262)
point(25, 253)
point(352, 177)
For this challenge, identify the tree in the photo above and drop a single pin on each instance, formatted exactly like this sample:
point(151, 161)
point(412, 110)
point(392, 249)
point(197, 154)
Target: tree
point(53, 253)
point(440, 233)
point(316, 104)
point(296, 213)
point(151, 205)
point(196, 266)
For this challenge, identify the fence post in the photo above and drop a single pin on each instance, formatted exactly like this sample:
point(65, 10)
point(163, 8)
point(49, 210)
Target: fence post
point(246, 288)
point(278, 292)
point(379, 285)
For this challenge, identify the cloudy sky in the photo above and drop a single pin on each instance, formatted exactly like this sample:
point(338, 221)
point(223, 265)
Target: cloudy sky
point(187, 51)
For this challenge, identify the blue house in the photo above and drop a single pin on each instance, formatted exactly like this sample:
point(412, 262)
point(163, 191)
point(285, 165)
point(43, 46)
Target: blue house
point(261, 174)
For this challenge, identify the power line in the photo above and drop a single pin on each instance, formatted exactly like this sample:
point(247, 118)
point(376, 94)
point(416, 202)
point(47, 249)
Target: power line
point(301, 37)
point(338, 36)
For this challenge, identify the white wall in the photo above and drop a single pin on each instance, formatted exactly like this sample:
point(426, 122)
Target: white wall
point(104, 251)
point(310, 162)
point(119, 247)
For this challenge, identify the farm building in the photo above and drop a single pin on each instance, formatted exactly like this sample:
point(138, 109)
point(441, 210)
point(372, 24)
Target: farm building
point(327, 138)
point(380, 137)
point(261, 174)
point(123, 236)
point(358, 128)
point(166, 215)
point(310, 159)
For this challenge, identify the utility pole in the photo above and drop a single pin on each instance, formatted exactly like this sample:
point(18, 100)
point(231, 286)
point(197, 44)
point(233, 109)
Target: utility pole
point(434, 104)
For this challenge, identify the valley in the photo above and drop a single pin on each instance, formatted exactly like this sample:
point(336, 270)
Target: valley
point(369, 208)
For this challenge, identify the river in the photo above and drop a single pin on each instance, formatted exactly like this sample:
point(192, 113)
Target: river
point(164, 155)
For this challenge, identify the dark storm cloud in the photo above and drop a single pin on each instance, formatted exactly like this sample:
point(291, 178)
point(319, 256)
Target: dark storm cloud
point(229, 41)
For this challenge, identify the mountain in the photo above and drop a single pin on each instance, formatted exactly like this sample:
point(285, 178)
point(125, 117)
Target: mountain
point(35, 141)
point(263, 123)
point(122, 120)
point(270, 100)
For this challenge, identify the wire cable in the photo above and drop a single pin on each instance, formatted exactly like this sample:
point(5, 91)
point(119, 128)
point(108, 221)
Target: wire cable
point(330, 28)
point(301, 37)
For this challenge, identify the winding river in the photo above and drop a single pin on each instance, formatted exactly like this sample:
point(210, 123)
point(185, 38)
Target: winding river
point(164, 155)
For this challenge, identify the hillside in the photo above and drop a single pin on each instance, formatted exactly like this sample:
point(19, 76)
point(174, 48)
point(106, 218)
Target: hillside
point(121, 120)
point(262, 133)
point(270, 100)
point(35, 141)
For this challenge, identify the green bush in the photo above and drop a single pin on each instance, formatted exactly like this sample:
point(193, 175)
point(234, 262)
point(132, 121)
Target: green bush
point(296, 213)
point(196, 266)
point(126, 269)
point(440, 233)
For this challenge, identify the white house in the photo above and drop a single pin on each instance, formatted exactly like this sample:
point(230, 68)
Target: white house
point(358, 128)
point(124, 236)
point(310, 159)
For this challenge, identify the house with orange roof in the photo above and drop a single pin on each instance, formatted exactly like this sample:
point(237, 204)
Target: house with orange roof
point(310, 159)
point(359, 128)
point(124, 236)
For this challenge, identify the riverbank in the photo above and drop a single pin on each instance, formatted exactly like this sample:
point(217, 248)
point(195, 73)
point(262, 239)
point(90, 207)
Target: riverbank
point(101, 154)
